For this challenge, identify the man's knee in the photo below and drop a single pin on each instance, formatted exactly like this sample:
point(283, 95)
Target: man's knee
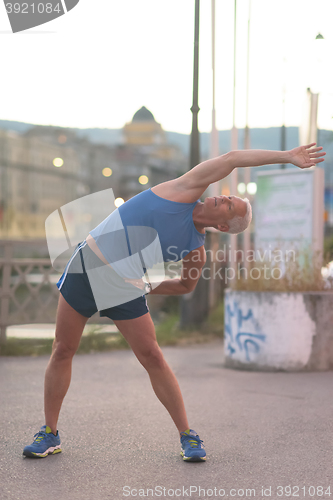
point(62, 351)
point(152, 358)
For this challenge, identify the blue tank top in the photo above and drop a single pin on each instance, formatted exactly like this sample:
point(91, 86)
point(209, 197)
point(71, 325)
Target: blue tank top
point(149, 214)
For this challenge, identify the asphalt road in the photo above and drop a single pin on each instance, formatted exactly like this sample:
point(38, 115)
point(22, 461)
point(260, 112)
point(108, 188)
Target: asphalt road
point(260, 430)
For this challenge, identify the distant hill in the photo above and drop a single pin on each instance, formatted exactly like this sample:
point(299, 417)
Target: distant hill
point(19, 127)
point(260, 138)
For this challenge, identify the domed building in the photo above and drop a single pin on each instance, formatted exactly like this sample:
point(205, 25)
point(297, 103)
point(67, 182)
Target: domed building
point(146, 154)
point(143, 130)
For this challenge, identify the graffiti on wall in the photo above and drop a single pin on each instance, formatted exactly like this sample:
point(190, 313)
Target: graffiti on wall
point(243, 336)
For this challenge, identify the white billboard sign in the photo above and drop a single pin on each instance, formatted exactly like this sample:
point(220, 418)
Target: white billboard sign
point(289, 209)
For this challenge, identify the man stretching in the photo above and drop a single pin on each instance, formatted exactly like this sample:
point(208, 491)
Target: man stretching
point(172, 210)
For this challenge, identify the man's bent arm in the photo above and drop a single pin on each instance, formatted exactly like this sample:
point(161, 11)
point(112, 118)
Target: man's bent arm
point(190, 274)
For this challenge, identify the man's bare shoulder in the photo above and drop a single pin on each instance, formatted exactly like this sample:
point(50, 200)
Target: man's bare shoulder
point(180, 190)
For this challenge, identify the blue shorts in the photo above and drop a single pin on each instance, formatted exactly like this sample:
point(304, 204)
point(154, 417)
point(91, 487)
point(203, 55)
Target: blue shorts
point(76, 290)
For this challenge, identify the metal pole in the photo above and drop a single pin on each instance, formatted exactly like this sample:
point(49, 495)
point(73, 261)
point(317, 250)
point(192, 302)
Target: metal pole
point(318, 215)
point(283, 128)
point(215, 188)
point(195, 144)
point(318, 181)
point(247, 173)
point(214, 134)
point(234, 145)
point(194, 305)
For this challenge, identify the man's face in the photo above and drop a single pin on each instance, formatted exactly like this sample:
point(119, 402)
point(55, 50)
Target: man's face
point(220, 209)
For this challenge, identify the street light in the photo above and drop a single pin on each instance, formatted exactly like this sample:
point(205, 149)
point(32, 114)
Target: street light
point(107, 172)
point(118, 202)
point(251, 188)
point(241, 188)
point(143, 179)
point(58, 162)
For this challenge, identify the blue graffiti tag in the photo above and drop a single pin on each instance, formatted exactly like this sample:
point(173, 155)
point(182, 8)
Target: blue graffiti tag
point(241, 340)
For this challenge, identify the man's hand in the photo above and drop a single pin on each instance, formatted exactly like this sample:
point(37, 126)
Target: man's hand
point(306, 156)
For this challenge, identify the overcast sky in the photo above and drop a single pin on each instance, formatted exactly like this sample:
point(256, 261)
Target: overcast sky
point(96, 65)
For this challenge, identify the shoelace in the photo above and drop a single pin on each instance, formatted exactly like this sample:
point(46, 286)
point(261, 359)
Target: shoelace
point(39, 436)
point(194, 441)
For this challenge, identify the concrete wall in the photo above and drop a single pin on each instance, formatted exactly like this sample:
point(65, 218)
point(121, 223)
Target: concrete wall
point(279, 331)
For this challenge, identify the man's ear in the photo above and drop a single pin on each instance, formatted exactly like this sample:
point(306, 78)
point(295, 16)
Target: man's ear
point(223, 227)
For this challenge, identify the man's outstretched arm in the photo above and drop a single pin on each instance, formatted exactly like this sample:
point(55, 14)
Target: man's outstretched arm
point(218, 168)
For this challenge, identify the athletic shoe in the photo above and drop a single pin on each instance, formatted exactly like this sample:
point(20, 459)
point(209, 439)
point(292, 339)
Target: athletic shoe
point(192, 449)
point(45, 443)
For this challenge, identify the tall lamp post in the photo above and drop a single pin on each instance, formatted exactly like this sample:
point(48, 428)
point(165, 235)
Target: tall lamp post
point(319, 41)
point(283, 127)
point(308, 134)
point(213, 235)
point(234, 145)
point(194, 305)
point(309, 129)
point(319, 178)
point(214, 146)
point(247, 174)
point(195, 140)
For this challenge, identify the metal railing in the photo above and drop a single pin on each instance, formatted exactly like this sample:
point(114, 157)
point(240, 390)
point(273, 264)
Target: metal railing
point(28, 291)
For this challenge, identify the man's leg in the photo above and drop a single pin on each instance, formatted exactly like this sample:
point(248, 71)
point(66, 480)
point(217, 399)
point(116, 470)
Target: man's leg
point(69, 328)
point(140, 334)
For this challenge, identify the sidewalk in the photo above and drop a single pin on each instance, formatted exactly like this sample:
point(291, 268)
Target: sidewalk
point(261, 430)
point(46, 331)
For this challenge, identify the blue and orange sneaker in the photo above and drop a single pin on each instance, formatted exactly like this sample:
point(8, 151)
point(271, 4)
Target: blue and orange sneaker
point(45, 443)
point(192, 448)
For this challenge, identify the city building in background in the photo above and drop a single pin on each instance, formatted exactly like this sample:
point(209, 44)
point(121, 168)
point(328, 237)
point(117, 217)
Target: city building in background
point(145, 157)
point(36, 177)
point(143, 130)
point(96, 161)
point(46, 167)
